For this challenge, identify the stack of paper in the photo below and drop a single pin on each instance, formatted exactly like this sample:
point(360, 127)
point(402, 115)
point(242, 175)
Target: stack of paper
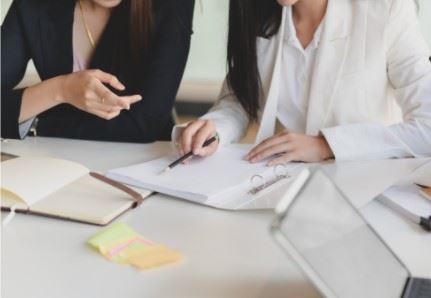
point(121, 244)
point(215, 180)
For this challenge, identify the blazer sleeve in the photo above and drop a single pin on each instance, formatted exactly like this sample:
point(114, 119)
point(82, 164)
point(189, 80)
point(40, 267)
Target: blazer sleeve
point(409, 72)
point(14, 56)
point(230, 118)
point(167, 59)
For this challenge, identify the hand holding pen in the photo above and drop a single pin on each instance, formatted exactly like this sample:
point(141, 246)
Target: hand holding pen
point(194, 136)
point(183, 158)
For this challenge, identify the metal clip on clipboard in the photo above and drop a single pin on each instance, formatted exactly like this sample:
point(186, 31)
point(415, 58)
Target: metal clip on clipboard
point(259, 183)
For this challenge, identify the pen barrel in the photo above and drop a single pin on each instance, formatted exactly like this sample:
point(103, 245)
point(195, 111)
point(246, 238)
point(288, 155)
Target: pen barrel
point(180, 160)
point(209, 141)
point(190, 154)
point(425, 223)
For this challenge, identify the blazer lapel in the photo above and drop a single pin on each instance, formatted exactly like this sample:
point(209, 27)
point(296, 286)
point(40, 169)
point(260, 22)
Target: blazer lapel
point(271, 86)
point(329, 63)
point(56, 28)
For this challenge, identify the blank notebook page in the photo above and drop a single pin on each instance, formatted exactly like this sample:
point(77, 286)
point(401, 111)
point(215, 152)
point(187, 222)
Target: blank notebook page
point(33, 178)
point(200, 179)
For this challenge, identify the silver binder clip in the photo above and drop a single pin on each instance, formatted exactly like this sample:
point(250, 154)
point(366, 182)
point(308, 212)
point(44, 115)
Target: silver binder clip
point(280, 173)
point(258, 182)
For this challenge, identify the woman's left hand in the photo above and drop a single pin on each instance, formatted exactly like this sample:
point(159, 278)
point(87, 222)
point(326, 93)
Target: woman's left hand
point(287, 146)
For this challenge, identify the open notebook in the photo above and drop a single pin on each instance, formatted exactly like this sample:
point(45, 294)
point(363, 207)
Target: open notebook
point(63, 189)
point(223, 180)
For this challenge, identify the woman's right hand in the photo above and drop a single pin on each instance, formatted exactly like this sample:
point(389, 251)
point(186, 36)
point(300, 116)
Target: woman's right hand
point(86, 91)
point(194, 136)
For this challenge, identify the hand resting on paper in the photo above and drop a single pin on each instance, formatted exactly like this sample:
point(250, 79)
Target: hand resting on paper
point(287, 146)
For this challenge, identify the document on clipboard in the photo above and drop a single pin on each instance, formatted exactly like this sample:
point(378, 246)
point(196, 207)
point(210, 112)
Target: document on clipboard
point(224, 180)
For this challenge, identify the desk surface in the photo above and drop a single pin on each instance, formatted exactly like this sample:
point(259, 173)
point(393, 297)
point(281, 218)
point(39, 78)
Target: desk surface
point(227, 253)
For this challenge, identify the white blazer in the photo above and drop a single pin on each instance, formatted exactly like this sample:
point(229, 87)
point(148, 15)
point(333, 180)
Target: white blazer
point(372, 60)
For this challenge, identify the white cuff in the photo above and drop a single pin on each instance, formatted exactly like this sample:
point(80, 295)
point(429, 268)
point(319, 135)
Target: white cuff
point(227, 131)
point(364, 141)
point(176, 132)
point(25, 127)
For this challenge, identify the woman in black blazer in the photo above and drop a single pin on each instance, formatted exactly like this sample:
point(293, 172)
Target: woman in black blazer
point(110, 69)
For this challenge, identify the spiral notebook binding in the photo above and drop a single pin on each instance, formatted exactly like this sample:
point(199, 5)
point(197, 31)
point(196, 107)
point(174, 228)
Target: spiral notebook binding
point(265, 184)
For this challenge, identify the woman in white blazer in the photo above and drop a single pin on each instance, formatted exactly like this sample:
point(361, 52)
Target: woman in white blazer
point(347, 79)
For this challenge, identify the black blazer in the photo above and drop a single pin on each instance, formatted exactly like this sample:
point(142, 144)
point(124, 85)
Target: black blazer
point(42, 31)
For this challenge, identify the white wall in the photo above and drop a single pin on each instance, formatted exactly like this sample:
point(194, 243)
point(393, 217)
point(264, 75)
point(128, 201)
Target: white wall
point(206, 66)
point(208, 51)
point(4, 7)
point(425, 18)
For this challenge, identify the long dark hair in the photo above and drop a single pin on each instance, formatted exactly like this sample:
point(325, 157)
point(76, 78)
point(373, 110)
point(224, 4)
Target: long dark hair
point(127, 39)
point(141, 26)
point(249, 19)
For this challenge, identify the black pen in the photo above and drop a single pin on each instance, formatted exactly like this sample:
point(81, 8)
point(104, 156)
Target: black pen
point(188, 155)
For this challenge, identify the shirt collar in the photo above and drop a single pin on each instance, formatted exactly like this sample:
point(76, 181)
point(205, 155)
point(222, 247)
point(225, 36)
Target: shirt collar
point(292, 38)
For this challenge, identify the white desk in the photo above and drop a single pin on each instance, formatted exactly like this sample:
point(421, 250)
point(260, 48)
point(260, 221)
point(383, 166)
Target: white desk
point(227, 254)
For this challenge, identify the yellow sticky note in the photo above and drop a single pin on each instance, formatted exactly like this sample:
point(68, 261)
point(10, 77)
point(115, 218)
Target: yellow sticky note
point(121, 244)
point(113, 240)
point(153, 256)
point(111, 236)
point(121, 253)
